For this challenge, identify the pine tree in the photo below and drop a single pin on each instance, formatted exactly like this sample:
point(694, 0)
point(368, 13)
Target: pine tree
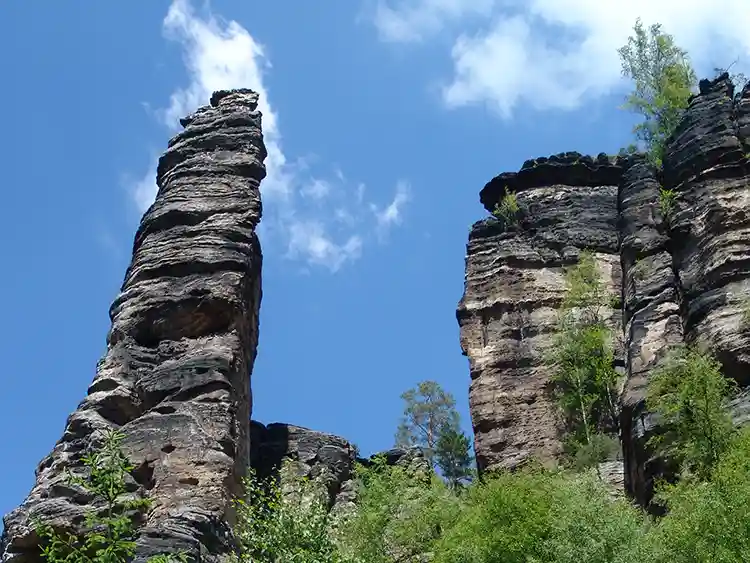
point(453, 456)
point(428, 410)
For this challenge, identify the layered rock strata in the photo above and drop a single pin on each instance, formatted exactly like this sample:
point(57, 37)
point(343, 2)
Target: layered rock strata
point(515, 284)
point(682, 271)
point(175, 377)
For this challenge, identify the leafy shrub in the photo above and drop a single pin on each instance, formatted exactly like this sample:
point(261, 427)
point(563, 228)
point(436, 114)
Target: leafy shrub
point(709, 520)
point(276, 524)
point(582, 357)
point(399, 515)
point(667, 200)
point(507, 209)
point(110, 533)
point(689, 391)
point(540, 516)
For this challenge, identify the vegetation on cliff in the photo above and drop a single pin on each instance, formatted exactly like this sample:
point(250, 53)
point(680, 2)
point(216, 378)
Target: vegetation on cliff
point(583, 366)
point(110, 530)
point(531, 516)
point(689, 391)
point(663, 81)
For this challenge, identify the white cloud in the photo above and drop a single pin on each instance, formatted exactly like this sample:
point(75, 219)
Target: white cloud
point(317, 189)
point(392, 214)
point(223, 55)
point(309, 239)
point(555, 54)
point(415, 20)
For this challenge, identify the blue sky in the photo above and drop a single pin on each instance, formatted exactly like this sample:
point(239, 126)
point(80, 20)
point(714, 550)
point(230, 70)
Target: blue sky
point(384, 120)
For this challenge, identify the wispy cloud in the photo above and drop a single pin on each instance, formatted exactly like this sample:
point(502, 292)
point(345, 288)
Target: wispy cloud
point(417, 20)
point(302, 213)
point(392, 214)
point(556, 54)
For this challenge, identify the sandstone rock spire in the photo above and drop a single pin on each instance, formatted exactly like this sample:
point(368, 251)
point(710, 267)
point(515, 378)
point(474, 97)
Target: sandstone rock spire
point(176, 375)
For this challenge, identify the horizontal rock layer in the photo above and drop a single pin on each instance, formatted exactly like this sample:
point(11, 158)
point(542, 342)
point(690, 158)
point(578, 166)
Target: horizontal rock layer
point(684, 277)
point(513, 288)
point(175, 377)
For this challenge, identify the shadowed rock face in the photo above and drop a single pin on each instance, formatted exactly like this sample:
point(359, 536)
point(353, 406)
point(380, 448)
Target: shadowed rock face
point(682, 278)
point(514, 284)
point(325, 459)
point(175, 377)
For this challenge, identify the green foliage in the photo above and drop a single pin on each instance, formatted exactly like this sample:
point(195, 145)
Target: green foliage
point(399, 515)
point(689, 391)
point(507, 209)
point(539, 516)
point(428, 410)
point(710, 520)
point(110, 533)
point(584, 375)
point(667, 199)
point(453, 456)
point(601, 447)
point(275, 525)
point(663, 82)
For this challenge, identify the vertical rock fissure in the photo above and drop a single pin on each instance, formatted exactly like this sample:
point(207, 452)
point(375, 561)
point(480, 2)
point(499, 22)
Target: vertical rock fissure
point(175, 377)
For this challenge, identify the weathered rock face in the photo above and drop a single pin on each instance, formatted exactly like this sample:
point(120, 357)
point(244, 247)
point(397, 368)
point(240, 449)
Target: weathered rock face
point(514, 284)
point(175, 377)
point(683, 277)
point(325, 459)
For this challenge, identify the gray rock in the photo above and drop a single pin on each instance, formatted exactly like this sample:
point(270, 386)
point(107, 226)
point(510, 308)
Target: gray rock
point(325, 459)
point(175, 377)
point(682, 278)
point(513, 287)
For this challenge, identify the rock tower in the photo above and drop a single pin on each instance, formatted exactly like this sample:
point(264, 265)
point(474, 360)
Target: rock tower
point(176, 375)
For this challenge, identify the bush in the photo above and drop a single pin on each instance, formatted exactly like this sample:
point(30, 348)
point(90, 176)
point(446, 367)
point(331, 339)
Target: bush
point(540, 516)
point(110, 533)
point(399, 515)
point(289, 524)
point(507, 209)
point(710, 520)
point(582, 358)
point(689, 391)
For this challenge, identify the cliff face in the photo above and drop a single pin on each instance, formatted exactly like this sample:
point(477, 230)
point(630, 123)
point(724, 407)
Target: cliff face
point(175, 377)
point(681, 278)
point(515, 283)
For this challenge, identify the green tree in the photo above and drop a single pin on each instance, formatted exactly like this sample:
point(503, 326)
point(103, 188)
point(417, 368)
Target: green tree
point(663, 80)
point(110, 533)
point(689, 390)
point(278, 524)
point(707, 520)
point(453, 456)
point(399, 515)
point(583, 368)
point(428, 409)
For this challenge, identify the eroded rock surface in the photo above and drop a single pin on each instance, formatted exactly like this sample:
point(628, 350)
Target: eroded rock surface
point(683, 276)
point(325, 459)
point(175, 377)
point(514, 285)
